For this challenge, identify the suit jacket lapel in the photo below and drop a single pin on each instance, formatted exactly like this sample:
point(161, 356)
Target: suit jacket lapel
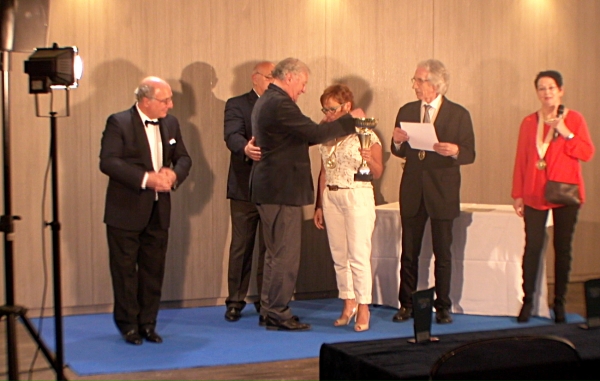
point(141, 138)
point(442, 117)
point(252, 97)
point(164, 136)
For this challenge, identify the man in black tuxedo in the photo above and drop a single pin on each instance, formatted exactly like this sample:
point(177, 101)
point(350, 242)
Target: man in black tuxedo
point(143, 154)
point(281, 183)
point(430, 185)
point(245, 220)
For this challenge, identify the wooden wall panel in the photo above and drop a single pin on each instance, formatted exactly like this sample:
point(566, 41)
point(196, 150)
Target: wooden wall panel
point(206, 48)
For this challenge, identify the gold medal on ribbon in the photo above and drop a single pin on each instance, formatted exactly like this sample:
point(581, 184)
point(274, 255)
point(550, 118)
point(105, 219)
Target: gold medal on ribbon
point(421, 155)
point(542, 143)
point(541, 164)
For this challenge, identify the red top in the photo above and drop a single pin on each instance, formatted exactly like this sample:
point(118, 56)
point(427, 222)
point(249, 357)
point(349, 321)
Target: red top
point(562, 160)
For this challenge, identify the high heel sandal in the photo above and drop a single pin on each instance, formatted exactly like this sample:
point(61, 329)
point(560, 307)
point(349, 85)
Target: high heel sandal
point(361, 327)
point(345, 320)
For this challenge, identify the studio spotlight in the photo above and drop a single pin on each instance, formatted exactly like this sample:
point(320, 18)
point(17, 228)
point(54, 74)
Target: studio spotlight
point(53, 68)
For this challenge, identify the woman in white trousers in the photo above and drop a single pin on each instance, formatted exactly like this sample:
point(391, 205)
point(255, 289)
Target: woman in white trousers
point(347, 207)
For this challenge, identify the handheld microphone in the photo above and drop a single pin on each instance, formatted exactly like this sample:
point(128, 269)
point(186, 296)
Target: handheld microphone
point(559, 113)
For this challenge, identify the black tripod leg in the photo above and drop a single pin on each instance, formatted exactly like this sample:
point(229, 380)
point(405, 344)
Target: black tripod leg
point(43, 347)
point(11, 346)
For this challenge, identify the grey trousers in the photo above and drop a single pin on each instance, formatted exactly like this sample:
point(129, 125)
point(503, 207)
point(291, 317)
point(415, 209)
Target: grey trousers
point(282, 227)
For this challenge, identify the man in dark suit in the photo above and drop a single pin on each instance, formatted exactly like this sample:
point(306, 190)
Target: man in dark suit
point(281, 183)
point(430, 185)
point(245, 220)
point(144, 156)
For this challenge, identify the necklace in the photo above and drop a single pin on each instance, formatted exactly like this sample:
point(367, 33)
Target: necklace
point(331, 161)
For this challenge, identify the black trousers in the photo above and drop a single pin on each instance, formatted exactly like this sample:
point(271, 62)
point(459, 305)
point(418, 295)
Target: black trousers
point(137, 267)
point(245, 221)
point(413, 229)
point(564, 219)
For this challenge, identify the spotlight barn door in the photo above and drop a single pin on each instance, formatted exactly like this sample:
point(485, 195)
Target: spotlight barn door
point(24, 25)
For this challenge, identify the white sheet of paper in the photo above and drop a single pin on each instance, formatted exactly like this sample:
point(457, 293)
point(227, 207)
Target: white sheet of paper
point(420, 135)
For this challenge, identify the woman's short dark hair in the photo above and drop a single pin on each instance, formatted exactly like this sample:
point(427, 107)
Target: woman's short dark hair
point(550, 74)
point(340, 92)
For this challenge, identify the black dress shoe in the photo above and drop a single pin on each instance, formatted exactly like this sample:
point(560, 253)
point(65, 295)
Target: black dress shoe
point(559, 314)
point(233, 314)
point(133, 337)
point(403, 314)
point(290, 324)
point(262, 321)
point(525, 313)
point(442, 316)
point(150, 335)
point(257, 307)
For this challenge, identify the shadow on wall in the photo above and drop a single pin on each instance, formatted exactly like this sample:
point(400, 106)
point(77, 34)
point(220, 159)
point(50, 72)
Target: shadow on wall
point(196, 230)
point(242, 77)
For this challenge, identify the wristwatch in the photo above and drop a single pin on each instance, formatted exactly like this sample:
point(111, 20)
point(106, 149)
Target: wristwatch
point(570, 136)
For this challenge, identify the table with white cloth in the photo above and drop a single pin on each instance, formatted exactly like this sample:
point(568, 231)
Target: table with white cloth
point(487, 257)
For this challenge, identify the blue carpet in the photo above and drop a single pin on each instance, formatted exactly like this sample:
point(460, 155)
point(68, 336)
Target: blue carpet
point(195, 337)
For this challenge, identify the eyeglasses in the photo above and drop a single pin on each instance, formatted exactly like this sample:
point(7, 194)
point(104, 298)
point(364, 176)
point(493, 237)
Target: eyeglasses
point(165, 101)
point(267, 77)
point(331, 110)
point(419, 81)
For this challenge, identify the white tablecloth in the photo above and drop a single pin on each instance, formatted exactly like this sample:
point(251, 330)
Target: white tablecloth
point(487, 254)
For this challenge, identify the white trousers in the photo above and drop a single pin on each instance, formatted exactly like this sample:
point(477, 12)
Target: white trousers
point(350, 219)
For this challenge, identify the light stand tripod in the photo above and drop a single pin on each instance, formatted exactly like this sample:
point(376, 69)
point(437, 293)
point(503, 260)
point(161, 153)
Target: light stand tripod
point(10, 310)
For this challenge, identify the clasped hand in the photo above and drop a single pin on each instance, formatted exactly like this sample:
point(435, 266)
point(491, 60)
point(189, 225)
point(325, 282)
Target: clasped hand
point(162, 181)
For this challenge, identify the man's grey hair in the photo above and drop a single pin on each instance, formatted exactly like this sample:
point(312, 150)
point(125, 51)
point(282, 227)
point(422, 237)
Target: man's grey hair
point(289, 65)
point(144, 90)
point(438, 75)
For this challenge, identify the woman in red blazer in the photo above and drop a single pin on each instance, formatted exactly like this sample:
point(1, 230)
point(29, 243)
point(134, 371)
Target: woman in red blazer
point(552, 141)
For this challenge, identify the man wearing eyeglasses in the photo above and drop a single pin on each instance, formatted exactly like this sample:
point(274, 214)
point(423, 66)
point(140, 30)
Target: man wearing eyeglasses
point(281, 183)
point(430, 185)
point(143, 154)
point(245, 220)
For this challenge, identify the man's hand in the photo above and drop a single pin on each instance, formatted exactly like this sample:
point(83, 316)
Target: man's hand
point(399, 136)
point(358, 113)
point(446, 149)
point(252, 151)
point(162, 181)
point(170, 174)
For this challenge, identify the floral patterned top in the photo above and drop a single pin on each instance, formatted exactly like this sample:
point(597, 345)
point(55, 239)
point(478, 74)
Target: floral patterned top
point(344, 152)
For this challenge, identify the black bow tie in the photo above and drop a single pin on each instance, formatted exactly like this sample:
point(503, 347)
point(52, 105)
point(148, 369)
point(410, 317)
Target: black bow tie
point(155, 122)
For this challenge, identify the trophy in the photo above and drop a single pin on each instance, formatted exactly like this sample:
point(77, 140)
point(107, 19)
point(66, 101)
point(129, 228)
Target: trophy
point(364, 129)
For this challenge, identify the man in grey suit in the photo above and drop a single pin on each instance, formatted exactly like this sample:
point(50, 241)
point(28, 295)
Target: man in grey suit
point(143, 154)
point(245, 220)
point(281, 183)
point(430, 185)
